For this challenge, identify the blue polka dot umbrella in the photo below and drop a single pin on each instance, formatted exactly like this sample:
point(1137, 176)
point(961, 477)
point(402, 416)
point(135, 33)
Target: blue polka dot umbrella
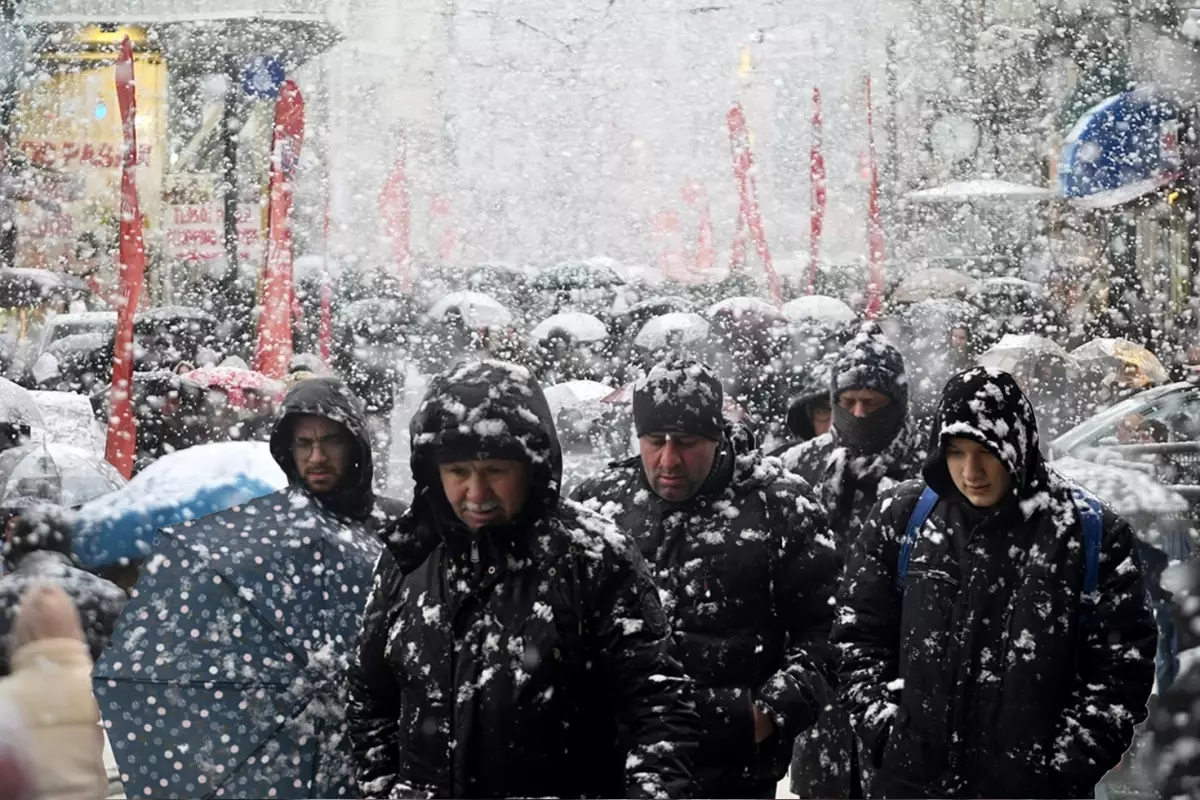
point(225, 675)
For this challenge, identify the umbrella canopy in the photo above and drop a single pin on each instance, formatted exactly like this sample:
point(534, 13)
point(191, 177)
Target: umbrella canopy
point(581, 327)
point(31, 287)
point(478, 310)
point(1133, 363)
point(179, 487)
point(575, 394)
point(818, 308)
point(657, 306)
point(672, 330)
point(494, 275)
point(738, 307)
point(70, 419)
point(236, 382)
point(18, 407)
point(930, 283)
point(231, 654)
point(1015, 353)
point(54, 473)
point(589, 274)
point(982, 189)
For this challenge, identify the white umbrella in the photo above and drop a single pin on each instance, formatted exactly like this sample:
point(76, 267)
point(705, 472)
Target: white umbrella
point(70, 420)
point(935, 282)
point(818, 308)
point(582, 327)
point(1129, 491)
point(574, 394)
point(982, 189)
point(1013, 352)
point(742, 305)
point(478, 310)
point(678, 327)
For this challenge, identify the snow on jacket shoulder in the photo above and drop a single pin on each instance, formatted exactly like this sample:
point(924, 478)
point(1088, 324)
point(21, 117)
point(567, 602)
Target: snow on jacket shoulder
point(530, 659)
point(746, 570)
point(51, 688)
point(988, 675)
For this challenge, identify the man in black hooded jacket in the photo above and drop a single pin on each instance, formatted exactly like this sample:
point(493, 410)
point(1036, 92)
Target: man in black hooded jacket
point(977, 666)
point(745, 565)
point(513, 643)
point(320, 441)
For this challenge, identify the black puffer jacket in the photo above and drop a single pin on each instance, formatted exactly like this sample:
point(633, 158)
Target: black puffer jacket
point(746, 570)
point(330, 398)
point(986, 676)
point(525, 660)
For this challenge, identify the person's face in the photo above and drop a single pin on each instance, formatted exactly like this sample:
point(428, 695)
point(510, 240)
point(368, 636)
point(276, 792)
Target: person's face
point(676, 464)
point(821, 416)
point(978, 474)
point(490, 491)
point(958, 339)
point(863, 402)
point(322, 450)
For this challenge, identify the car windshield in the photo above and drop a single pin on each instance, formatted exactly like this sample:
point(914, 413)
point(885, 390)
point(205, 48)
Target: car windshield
point(1177, 407)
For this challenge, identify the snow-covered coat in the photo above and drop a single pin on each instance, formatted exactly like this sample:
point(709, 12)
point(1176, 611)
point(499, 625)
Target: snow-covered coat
point(746, 570)
point(987, 675)
point(330, 398)
point(528, 659)
point(847, 482)
point(98, 601)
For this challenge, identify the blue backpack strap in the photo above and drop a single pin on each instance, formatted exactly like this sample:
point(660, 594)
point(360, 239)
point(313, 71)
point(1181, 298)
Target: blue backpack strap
point(921, 512)
point(1091, 518)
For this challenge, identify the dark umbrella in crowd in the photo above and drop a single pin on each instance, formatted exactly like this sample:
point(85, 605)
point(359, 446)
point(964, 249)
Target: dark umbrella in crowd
point(225, 676)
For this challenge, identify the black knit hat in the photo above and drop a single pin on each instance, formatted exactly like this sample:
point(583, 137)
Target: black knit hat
point(679, 396)
point(870, 361)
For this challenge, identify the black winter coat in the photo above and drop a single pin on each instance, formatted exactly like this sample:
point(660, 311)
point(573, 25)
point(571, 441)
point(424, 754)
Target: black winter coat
point(746, 570)
point(986, 676)
point(526, 660)
point(99, 602)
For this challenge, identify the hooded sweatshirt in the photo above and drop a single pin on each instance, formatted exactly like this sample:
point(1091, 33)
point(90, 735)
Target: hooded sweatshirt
point(525, 659)
point(330, 398)
point(987, 675)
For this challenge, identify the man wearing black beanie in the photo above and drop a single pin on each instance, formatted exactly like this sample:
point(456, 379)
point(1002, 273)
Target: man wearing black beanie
point(872, 445)
point(745, 566)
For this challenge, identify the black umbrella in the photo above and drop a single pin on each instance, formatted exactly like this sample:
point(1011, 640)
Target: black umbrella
point(577, 275)
point(226, 673)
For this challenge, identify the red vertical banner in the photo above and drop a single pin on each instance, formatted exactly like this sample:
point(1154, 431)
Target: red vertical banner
point(121, 443)
point(704, 257)
point(737, 253)
point(395, 209)
point(874, 222)
point(816, 177)
point(667, 232)
point(743, 165)
point(273, 347)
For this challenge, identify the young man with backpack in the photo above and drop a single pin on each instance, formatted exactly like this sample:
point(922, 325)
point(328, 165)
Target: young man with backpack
point(993, 626)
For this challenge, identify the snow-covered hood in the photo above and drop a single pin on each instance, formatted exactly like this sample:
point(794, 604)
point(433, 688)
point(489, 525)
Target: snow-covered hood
point(987, 406)
point(487, 408)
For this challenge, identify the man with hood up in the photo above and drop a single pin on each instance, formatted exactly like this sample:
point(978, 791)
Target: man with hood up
point(993, 626)
point(746, 569)
point(320, 442)
point(513, 643)
point(872, 445)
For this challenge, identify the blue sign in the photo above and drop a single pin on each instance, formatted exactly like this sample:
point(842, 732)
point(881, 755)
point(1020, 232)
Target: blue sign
point(1123, 148)
point(262, 77)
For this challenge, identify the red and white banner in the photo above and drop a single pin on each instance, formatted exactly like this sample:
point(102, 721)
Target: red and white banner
point(273, 347)
point(743, 164)
point(874, 222)
point(395, 209)
point(816, 177)
point(196, 232)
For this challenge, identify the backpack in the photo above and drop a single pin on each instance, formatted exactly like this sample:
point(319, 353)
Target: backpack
point(1093, 531)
